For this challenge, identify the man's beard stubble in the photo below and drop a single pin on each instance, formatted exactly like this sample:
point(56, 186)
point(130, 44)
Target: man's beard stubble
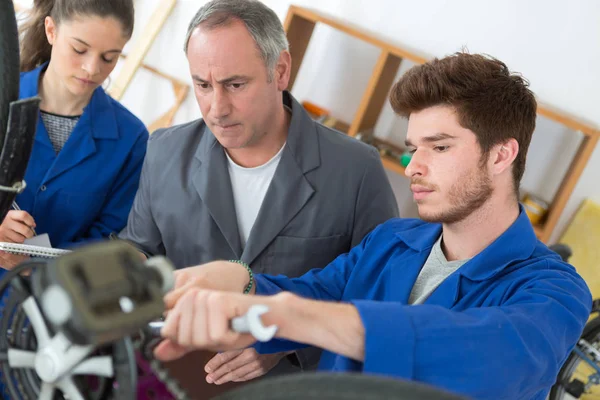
point(467, 195)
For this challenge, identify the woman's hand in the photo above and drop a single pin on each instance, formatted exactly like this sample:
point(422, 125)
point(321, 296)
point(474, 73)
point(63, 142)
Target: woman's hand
point(16, 227)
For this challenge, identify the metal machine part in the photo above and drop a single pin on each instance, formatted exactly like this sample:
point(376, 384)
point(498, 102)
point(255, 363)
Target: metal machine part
point(251, 323)
point(66, 332)
point(84, 326)
point(102, 292)
point(39, 363)
point(154, 381)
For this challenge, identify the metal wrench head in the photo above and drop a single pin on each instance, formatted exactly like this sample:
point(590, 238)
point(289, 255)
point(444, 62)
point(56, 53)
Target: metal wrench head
point(255, 327)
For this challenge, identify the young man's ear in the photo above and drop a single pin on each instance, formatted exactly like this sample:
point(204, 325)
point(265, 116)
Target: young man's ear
point(504, 155)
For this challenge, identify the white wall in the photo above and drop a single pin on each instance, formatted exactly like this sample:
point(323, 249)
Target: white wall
point(553, 43)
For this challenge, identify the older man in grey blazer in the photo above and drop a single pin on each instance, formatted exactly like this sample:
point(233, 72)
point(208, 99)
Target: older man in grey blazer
point(255, 180)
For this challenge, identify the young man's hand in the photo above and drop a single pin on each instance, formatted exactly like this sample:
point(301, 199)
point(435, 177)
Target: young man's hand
point(201, 319)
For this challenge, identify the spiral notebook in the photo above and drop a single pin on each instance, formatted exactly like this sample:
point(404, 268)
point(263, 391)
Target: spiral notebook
point(32, 250)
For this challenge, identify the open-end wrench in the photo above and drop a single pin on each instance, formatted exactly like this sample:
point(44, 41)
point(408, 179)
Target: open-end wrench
point(247, 323)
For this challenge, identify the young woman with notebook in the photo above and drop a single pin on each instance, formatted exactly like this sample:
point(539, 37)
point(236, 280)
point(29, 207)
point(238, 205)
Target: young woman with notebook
point(88, 152)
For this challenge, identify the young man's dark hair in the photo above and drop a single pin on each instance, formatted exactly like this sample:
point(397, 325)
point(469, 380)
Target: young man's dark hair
point(489, 100)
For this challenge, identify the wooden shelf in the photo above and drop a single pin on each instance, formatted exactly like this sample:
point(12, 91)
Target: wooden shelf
point(342, 127)
point(538, 229)
point(391, 164)
point(376, 94)
point(567, 120)
point(307, 17)
point(299, 26)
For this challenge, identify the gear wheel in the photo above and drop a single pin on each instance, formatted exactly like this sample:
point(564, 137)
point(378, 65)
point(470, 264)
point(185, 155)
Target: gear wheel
point(154, 381)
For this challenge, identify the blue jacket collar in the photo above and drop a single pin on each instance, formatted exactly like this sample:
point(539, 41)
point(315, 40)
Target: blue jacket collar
point(421, 237)
point(98, 116)
point(517, 243)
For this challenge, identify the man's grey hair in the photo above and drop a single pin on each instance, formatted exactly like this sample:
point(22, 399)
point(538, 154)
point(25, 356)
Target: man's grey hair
point(262, 24)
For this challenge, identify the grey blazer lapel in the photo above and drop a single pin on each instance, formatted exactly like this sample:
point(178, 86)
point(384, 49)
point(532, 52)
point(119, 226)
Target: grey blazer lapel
point(289, 190)
point(212, 182)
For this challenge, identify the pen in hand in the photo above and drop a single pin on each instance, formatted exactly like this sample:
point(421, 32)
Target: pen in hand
point(16, 207)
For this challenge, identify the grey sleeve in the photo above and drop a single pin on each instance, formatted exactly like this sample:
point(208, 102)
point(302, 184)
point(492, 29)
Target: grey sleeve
point(375, 202)
point(141, 229)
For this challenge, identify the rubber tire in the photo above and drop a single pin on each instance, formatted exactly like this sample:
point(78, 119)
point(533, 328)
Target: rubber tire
point(590, 333)
point(330, 386)
point(9, 67)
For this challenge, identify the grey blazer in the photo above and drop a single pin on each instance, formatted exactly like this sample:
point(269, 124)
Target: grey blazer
point(328, 192)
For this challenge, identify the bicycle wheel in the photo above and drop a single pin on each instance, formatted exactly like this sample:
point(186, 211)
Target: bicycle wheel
point(9, 67)
point(330, 386)
point(18, 118)
point(9, 84)
point(577, 379)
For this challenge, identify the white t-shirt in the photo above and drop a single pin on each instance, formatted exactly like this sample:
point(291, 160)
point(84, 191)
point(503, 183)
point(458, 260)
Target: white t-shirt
point(249, 189)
